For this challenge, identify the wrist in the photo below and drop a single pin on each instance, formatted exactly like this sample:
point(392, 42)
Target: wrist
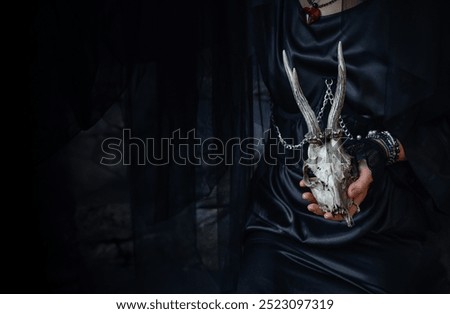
point(391, 145)
point(402, 154)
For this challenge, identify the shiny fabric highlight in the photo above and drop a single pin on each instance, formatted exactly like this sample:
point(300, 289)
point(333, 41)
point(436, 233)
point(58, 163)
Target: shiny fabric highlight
point(289, 249)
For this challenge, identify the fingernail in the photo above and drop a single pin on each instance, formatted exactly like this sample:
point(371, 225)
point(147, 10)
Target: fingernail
point(304, 196)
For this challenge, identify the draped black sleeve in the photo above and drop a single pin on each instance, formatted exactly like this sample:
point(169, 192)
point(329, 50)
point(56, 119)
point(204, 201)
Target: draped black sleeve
point(418, 88)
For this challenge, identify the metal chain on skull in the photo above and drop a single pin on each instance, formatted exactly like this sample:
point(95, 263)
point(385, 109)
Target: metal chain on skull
point(327, 99)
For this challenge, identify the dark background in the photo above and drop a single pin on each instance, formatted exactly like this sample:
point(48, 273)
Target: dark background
point(153, 67)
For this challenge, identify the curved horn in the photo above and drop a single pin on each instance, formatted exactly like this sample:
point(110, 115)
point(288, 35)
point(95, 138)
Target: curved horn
point(338, 102)
point(300, 99)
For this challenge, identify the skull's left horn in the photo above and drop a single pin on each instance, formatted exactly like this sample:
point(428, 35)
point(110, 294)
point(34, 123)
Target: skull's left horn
point(300, 99)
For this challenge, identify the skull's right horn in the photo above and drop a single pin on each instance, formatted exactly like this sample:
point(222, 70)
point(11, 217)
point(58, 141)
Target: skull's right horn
point(339, 96)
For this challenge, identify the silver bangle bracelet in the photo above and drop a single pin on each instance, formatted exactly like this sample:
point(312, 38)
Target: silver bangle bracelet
point(389, 143)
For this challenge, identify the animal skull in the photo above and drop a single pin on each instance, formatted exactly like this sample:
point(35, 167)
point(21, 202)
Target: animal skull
point(327, 171)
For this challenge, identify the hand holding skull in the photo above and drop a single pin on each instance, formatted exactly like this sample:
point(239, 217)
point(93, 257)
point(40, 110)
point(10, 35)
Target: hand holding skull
point(357, 191)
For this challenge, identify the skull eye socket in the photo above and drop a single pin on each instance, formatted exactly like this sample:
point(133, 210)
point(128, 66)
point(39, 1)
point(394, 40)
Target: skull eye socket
point(308, 175)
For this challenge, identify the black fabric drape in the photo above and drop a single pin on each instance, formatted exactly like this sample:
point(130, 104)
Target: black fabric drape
point(132, 72)
point(406, 98)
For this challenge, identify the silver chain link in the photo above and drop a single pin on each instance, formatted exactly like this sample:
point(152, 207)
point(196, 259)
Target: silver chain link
point(283, 142)
point(327, 99)
point(345, 129)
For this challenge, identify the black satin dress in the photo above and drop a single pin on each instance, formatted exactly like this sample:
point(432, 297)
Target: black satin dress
point(287, 248)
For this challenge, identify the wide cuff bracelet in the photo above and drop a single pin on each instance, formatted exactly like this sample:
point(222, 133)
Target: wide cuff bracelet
point(389, 143)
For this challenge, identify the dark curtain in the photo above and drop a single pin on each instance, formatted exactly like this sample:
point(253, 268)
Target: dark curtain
point(126, 77)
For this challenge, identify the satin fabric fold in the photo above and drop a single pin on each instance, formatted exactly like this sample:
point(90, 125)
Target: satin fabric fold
point(279, 207)
point(393, 224)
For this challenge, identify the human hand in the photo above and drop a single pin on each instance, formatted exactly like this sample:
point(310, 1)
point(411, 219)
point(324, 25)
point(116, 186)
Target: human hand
point(370, 152)
point(357, 191)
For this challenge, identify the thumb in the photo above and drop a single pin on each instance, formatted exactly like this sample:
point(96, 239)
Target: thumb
point(363, 181)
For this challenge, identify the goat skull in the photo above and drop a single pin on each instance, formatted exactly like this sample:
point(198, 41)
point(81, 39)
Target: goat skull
point(327, 171)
